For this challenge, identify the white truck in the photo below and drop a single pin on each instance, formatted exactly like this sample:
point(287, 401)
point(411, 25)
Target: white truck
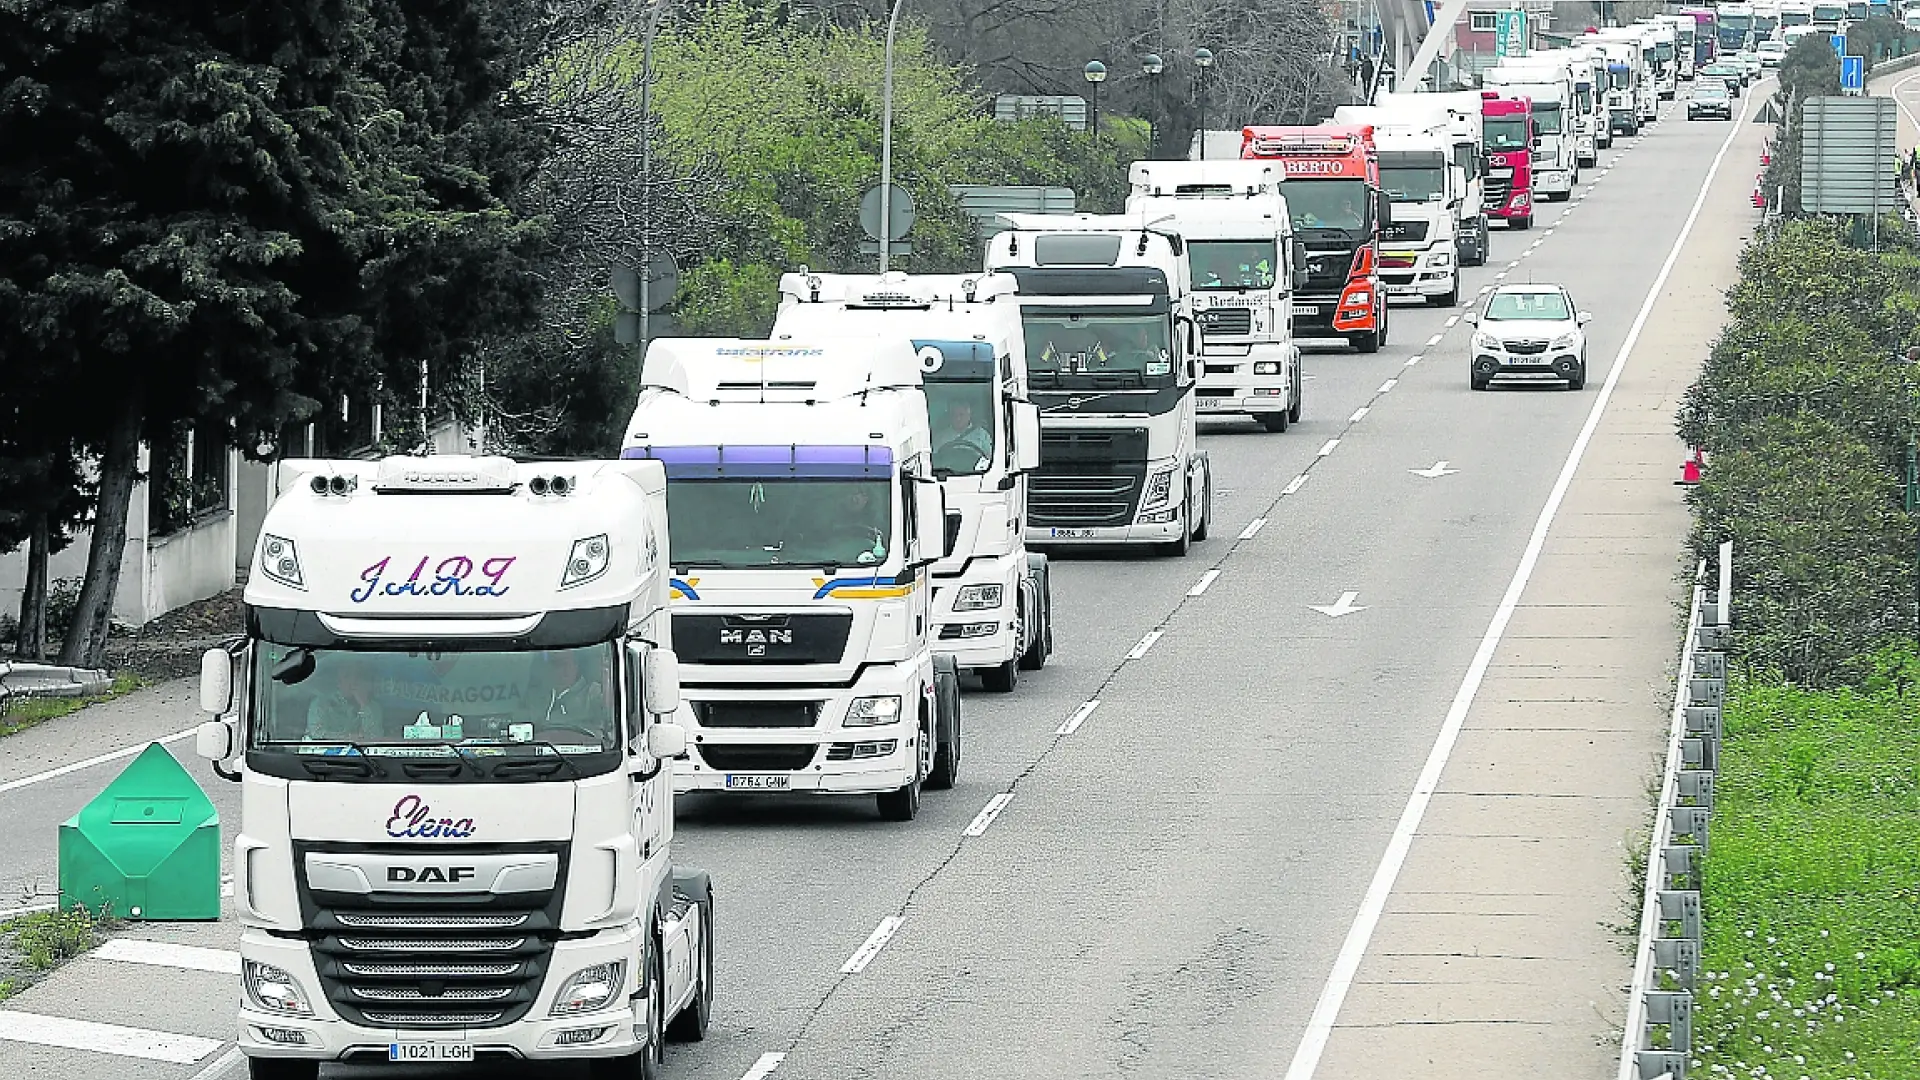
point(1420, 249)
point(451, 720)
point(1665, 58)
point(1460, 112)
point(1592, 132)
point(1245, 268)
point(1632, 93)
point(1548, 83)
point(1113, 357)
point(992, 598)
point(805, 513)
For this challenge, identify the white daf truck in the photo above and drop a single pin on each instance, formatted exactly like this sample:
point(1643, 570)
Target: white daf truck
point(1420, 250)
point(1460, 113)
point(805, 515)
point(1548, 83)
point(992, 598)
point(1113, 357)
point(1245, 268)
point(451, 720)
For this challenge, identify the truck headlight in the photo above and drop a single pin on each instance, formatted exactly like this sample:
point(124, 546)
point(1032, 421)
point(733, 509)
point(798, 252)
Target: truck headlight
point(280, 562)
point(977, 597)
point(589, 559)
point(1441, 258)
point(273, 990)
point(1266, 367)
point(590, 988)
point(1487, 342)
point(873, 711)
point(1159, 488)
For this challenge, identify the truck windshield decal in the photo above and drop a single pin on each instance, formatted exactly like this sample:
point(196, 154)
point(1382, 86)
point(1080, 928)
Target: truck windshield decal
point(450, 577)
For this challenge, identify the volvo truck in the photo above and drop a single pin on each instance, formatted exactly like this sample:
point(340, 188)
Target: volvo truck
point(1246, 266)
point(1333, 194)
point(451, 720)
point(804, 514)
point(992, 598)
point(1113, 358)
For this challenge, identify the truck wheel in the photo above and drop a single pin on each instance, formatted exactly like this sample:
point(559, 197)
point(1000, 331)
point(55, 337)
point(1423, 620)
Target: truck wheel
point(1275, 422)
point(1294, 410)
point(1036, 655)
point(691, 1023)
point(282, 1069)
point(1448, 298)
point(650, 1063)
point(1366, 343)
point(903, 803)
point(946, 705)
point(1523, 224)
point(1002, 678)
point(1205, 524)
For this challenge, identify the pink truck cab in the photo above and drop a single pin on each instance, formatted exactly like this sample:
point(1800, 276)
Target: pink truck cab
point(1507, 124)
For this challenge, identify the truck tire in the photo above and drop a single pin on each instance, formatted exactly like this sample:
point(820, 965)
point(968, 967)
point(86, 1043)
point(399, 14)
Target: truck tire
point(946, 723)
point(903, 803)
point(1003, 678)
point(1298, 406)
point(1365, 343)
point(649, 1063)
point(1204, 525)
point(1036, 655)
point(1179, 548)
point(1448, 298)
point(690, 1025)
point(1275, 422)
point(282, 1069)
point(1523, 224)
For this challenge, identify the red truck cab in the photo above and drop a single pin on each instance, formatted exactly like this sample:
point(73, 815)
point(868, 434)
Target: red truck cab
point(1507, 125)
point(1332, 188)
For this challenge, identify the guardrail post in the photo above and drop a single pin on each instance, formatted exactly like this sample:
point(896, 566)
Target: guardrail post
point(1674, 1010)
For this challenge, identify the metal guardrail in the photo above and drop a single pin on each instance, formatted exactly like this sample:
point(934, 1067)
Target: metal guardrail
point(1658, 1038)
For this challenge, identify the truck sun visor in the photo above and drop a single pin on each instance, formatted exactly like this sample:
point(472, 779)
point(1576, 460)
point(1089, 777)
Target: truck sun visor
point(746, 462)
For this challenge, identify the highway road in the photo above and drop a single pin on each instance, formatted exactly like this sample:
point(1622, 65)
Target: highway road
point(1157, 844)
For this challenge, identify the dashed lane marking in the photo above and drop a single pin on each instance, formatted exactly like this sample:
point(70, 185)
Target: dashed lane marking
point(1079, 717)
point(101, 1038)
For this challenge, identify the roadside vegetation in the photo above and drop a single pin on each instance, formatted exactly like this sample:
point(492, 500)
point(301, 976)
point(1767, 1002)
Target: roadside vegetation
point(21, 713)
point(33, 945)
point(1807, 409)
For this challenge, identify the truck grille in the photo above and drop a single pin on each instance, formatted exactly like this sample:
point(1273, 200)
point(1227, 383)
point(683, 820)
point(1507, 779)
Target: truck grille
point(1224, 322)
point(1327, 269)
point(458, 959)
point(759, 757)
point(1527, 348)
point(1494, 192)
point(1409, 231)
point(757, 714)
point(1087, 479)
point(782, 638)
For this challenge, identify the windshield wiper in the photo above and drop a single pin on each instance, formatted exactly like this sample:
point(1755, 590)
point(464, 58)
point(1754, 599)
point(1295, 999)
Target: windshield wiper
point(361, 764)
point(680, 565)
point(539, 766)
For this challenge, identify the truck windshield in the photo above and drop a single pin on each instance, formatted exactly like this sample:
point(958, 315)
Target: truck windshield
point(1583, 98)
point(1120, 352)
point(1547, 115)
point(1829, 13)
point(1414, 183)
point(960, 418)
point(420, 704)
point(1326, 204)
point(1232, 264)
point(750, 524)
point(1507, 133)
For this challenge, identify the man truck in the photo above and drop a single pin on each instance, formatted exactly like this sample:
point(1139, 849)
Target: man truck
point(992, 598)
point(1420, 251)
point(1113, 357)
point(1245, 265)
point(804, 513)
point(1464, 122)
point(451, 719)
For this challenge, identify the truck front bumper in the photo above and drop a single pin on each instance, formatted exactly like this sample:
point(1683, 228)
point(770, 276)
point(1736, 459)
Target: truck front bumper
point(827, 758)
point(1257, 381)
point(983, 638)
point(1160, 532)
point(326, 1037)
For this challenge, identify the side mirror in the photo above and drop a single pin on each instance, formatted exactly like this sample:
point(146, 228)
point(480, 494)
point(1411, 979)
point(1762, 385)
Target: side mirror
point(1459, 178)
point(216, 682)
point(213, 740)
point(661, 682)
point(1583, 318)
point(666, 741)
point(1385, 209)
point(1026, 437)
point(930, 520)
point(1471, 318)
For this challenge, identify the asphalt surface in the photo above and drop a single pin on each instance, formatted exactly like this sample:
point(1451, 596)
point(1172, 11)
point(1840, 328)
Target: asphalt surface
point(1169, 883)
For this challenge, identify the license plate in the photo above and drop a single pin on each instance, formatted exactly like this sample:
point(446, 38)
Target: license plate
point(429, 1051)
point(759, 781)
point(1071, 534)
point(1500, 174)
point(1529, 359)
point(1306, 309)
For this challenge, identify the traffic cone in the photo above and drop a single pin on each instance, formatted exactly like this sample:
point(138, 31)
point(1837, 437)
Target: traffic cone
point(1690, 469)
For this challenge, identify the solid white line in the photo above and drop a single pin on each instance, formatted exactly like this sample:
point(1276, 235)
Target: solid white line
point(102, 759)
point(1357, 414)
point(1388, 385)
point(1328, 447)
point(221, 1065)
point(1412, 360)
point(876, 941)
point(1345, 966)
point(1452, 319)
point(104, 1038)
point(1253, 528)
point(764, 1067)
point(166, 954)
point(1079, 717)
point(1434, 340)
point(985, 817)
point(1206, 579)
point(1295, 484)
point(1146, 643)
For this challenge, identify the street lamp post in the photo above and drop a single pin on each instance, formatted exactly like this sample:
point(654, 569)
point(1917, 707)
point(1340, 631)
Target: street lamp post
point(1096, 73)
point(655, 8)
point(1203, 59)
point(886, 143)
point(1151, 66)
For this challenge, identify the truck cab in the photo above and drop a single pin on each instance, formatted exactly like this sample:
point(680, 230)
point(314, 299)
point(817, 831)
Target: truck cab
point(1333, 194)
point(805, 514)
point(1508, 124)
point(1113, 355)
point(1547, 85)
point(1420, 250)
point(451, 718)
point(1246, 265)
point(1592, 131)
point(992, 598)
point(1459, 113)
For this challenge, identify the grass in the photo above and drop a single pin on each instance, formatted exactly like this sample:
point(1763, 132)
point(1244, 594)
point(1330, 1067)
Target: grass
point(25, 712)
point(32, 945)
point(1812, 888)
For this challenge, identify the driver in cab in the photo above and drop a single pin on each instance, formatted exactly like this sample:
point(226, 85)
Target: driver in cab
point(962, 432)
point(1349, 217)
point(853, 522)
point(575, 698)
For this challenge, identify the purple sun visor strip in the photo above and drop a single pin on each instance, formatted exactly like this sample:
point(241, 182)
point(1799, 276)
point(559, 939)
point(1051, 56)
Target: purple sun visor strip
point(736, 462)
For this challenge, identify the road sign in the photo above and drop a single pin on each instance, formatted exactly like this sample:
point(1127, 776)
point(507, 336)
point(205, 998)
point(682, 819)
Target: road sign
point(1853, 74)
point(1848, 154)
point(899, 208)
point(663, 280)
point(1510, 33)
point(1839, 43)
